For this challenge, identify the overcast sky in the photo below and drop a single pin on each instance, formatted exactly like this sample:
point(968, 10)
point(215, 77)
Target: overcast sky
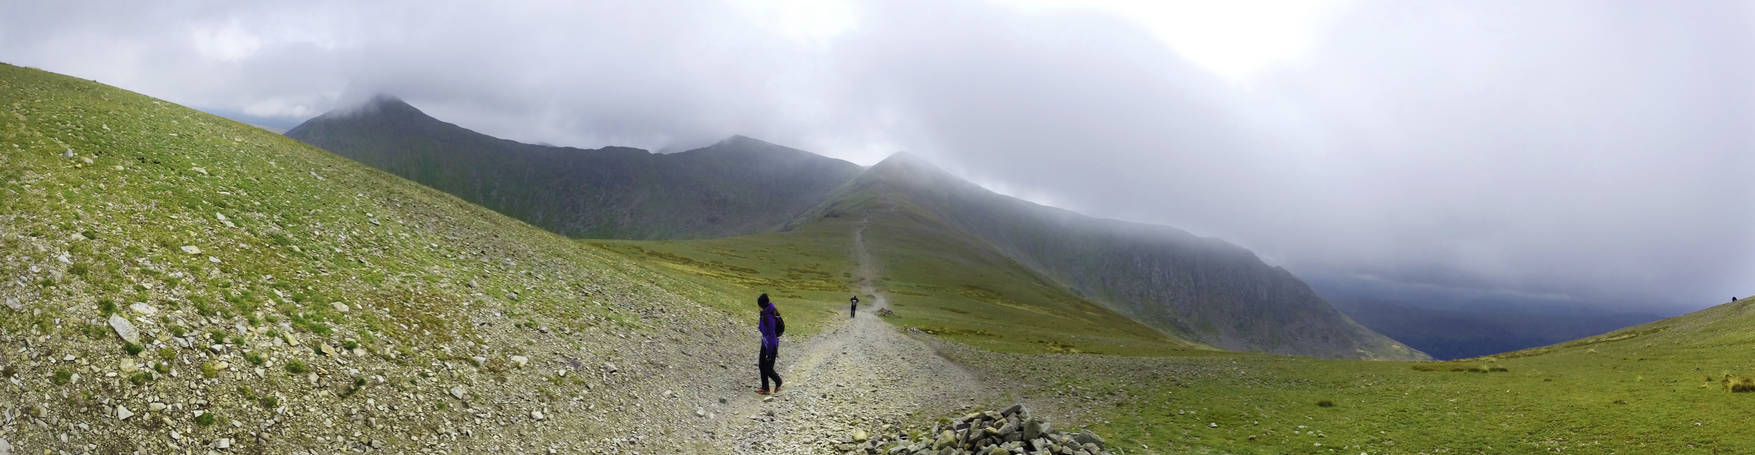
point(1597, 151)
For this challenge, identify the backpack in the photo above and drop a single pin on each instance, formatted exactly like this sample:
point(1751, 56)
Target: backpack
point(779, 323)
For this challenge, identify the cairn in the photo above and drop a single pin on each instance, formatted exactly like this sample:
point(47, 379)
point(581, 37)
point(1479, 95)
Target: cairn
point(1008, 431)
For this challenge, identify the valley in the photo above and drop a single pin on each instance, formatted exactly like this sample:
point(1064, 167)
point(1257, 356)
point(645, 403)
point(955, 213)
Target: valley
point(177, 282)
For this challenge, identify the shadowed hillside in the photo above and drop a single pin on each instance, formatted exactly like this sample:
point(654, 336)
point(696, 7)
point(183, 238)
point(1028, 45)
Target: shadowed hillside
point(1197, 288)
point(737, 186)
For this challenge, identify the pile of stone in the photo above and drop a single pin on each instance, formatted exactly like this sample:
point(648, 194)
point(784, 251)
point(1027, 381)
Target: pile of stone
point(1009, 431)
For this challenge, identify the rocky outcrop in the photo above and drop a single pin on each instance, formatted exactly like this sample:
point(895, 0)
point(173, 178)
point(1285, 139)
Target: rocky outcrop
point(1008, 431)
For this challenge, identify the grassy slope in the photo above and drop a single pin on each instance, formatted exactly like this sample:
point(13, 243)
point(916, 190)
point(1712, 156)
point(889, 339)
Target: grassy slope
point(807, 272)
point(936, 282)
point(1655, 388)
point(283, 231)
point(948, 285)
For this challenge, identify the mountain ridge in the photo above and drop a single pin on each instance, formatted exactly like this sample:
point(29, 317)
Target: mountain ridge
point(608, 192)
point(1196, 288)
point(1193, 288)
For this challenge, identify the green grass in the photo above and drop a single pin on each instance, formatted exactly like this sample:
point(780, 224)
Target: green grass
point(1664, 387)
point(295, 232)
point(943, 284)
point(802, 271)
point(936, 282)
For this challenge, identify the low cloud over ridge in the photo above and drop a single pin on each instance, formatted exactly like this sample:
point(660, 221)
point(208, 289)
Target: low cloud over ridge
point(1597, 152)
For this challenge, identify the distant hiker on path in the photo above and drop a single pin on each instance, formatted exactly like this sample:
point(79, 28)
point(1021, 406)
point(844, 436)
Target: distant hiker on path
point(854, 311)
point(771, 325)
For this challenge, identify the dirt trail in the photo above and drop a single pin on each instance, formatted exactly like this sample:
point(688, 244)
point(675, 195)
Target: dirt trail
point(858, 374)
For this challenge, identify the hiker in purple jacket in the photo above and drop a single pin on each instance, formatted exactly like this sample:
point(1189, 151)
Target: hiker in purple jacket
point(771, 325)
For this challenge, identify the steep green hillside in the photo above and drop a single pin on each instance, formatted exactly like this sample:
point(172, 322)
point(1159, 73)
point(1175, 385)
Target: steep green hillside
point(174, 282)
point(737, 186)
point(1200, 289)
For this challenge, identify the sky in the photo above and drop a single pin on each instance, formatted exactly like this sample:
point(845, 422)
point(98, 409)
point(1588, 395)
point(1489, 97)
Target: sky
point(1598, 152)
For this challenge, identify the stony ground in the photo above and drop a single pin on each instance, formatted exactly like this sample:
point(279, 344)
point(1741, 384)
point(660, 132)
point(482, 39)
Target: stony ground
point(862, 377)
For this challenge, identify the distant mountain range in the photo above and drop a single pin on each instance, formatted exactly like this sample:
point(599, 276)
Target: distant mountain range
point(1199, 289)
point(1455, 324)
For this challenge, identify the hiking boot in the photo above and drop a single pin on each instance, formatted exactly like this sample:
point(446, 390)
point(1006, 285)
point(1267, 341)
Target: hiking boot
point(764, 391)
point(776, 388)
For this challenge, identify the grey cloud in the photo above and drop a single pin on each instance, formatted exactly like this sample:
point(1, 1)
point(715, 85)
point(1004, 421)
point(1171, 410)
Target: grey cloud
point(1597, 151)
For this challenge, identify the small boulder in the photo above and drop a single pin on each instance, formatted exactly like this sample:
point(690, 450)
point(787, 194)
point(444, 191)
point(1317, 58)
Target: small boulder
point(124, 329)
point(191, 249)
point(859, 435)
point(458, 392)
point(521, 361)
point(338, 306)
point(945, 439)
point(1087, 437)
point(122, 413)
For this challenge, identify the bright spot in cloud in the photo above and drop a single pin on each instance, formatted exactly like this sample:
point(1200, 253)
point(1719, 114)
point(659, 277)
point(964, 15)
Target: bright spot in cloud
point(227, 42)
point(1238, 40)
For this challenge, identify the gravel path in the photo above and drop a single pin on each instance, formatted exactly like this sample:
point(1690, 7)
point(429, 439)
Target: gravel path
point(861, 374)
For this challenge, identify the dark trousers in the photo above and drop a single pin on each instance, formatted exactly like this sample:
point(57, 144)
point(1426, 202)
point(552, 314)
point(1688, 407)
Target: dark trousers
point(766, 364)
point(854, 311)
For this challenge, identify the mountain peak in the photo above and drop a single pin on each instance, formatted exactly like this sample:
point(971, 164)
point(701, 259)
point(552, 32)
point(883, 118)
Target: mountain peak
point(742, 139)
point(904, 159)
point(379, 104)
point(908, 167)
point(744, 146)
